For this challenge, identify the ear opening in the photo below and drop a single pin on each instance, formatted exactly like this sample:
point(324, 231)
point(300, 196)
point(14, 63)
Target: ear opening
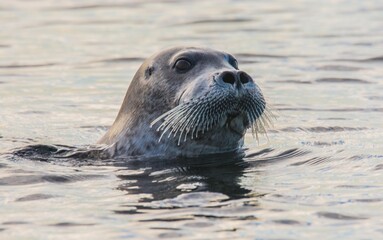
point(149, 71)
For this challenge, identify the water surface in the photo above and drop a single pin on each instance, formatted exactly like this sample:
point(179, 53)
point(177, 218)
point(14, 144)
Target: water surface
point(64, 70)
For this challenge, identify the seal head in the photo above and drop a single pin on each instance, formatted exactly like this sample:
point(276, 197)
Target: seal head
point(186, 102)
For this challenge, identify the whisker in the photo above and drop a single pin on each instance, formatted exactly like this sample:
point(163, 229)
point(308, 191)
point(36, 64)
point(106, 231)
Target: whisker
point(201, 115)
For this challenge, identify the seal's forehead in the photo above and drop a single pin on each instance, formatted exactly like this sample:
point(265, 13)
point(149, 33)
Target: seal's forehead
point(172, 54)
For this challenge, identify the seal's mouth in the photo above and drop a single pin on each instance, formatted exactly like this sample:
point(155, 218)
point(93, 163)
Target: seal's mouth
point(212, 112)
point(235, 122)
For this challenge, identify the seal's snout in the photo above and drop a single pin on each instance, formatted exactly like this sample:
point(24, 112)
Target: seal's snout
point(234, 78)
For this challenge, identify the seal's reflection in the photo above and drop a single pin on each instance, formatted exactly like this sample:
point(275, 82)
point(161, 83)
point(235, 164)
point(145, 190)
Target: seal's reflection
point(163, 179)
point(156, 178)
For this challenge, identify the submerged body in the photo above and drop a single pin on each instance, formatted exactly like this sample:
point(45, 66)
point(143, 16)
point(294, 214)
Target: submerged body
point(186, 102)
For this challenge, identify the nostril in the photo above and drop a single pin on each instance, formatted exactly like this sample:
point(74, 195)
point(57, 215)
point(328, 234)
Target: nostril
point(244, 78)
point(228, 77)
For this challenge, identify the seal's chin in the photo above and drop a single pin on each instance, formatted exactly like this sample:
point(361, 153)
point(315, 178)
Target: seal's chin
point(237, 123)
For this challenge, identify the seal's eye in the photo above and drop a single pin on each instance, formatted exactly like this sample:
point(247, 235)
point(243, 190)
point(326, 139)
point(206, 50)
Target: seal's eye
point(233, 62)
point(183, 65)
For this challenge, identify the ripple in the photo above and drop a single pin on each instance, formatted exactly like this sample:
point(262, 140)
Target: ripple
point(339, 68)
point(37, 152)
point(342, 80)
point(219, 216)
point(372, 200)
point(96, 6)
point(34, 179)
point(287, 222)
point(167, 219)
point(293, 81)
point(253, 55)
point(312, 161)
point(337, 35)
point(20, 180)
point(119, 60)
point(288, 154)
point(15, 223)
point(379, 98)
point(338, 216)
point(369, 44)
point(19, 140)
point(190, 200)
point(259, 153)
point(356, 186)
point(199, 224)
point(75, 23)
point(71, 224)
point(374, 59)
point(29, 65)
point(170, 235)
point(128, 212)
point(321, 129)
point(270, 29)
point(33, 197)
point(376, 109)
point(63, 153)
point(213, 21)
point(99, 127)
point(321, 143)
point(33, 112)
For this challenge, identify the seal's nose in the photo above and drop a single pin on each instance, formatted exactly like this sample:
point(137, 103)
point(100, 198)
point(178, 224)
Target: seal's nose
point(235, 78)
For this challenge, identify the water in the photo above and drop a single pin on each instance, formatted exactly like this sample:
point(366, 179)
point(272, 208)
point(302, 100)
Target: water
point(64, 70)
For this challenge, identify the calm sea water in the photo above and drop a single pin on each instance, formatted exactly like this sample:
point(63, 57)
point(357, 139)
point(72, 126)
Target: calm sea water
point(64, 70)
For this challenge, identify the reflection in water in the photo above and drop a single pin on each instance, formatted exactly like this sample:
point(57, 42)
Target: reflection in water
point(162, 180)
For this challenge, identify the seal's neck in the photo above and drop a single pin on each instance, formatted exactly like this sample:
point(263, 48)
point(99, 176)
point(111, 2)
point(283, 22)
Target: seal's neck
point(134, 138)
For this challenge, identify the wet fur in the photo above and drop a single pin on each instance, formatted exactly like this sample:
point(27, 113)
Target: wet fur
point(170, 114)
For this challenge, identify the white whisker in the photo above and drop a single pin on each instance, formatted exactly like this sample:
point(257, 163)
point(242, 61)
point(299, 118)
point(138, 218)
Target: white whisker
point(202, 115)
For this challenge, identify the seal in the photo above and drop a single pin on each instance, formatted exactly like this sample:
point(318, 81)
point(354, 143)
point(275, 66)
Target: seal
point(187, 102)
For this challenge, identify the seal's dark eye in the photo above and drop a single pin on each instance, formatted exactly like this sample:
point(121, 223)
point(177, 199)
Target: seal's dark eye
point(183, 65)
point(233, 62)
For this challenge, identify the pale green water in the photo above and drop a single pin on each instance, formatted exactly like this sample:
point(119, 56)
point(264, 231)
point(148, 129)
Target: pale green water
point(64, 70)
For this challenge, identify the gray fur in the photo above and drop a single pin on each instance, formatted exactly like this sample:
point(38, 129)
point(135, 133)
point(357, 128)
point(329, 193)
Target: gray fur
point(173, 114)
